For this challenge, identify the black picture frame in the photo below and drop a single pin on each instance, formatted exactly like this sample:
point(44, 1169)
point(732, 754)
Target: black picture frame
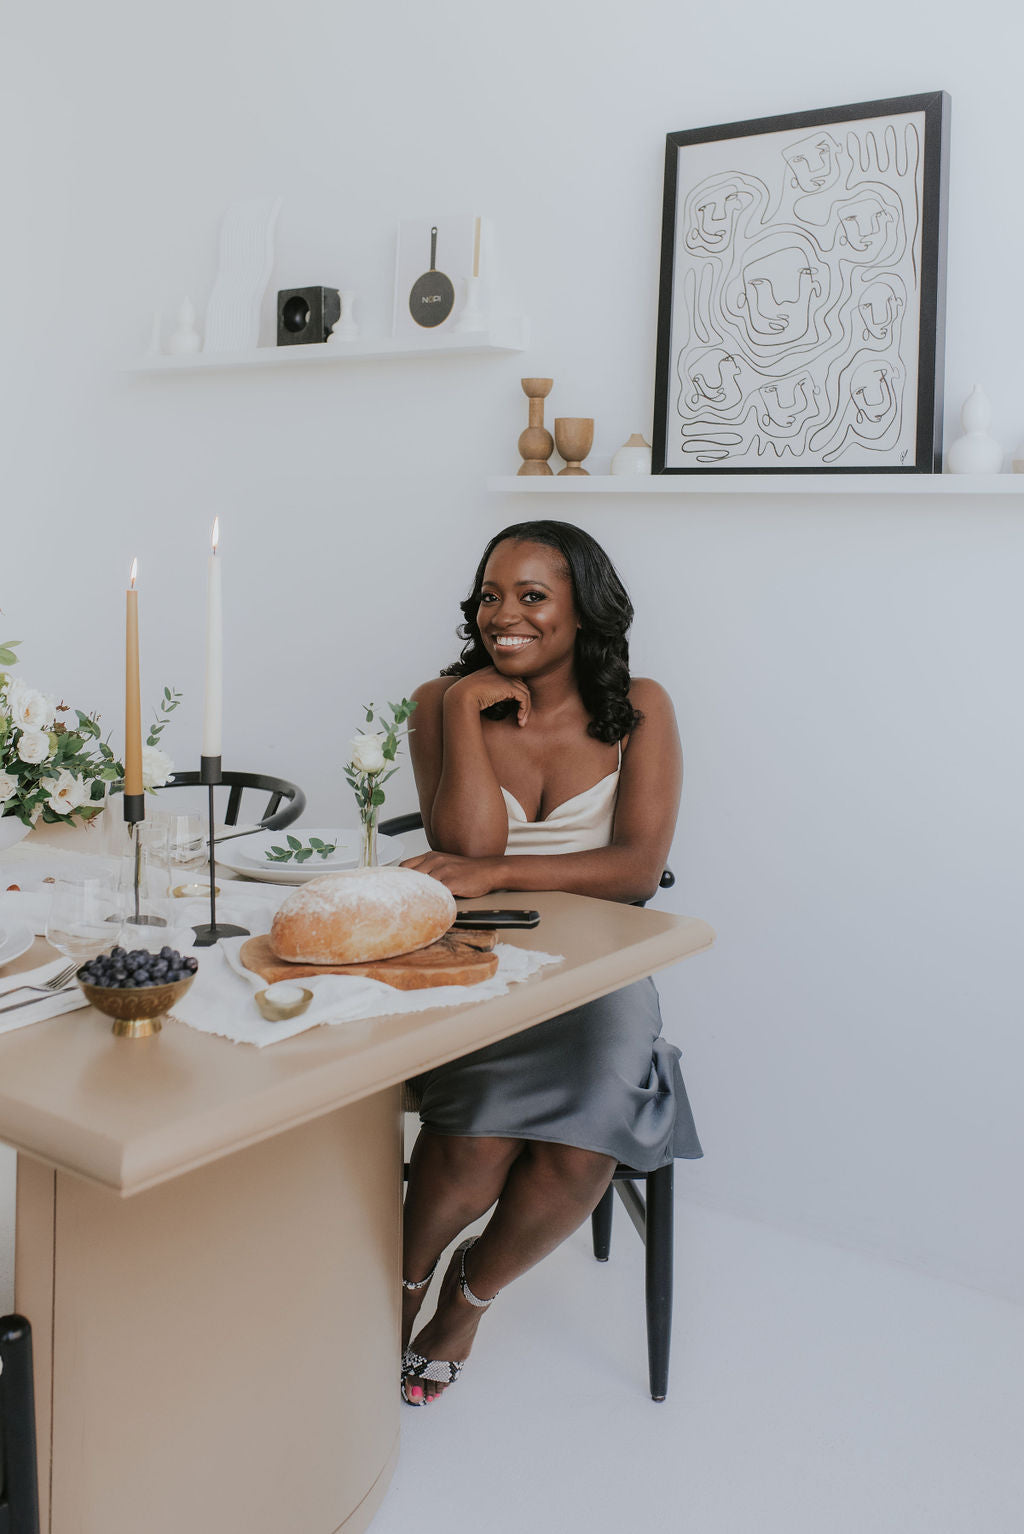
point(802, 293)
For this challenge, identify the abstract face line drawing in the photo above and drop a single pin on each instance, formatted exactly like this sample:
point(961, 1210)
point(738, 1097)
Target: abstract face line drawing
point(814, 162)
point(801, 268)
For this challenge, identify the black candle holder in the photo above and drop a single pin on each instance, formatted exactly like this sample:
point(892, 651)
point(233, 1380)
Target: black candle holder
point(212, 931)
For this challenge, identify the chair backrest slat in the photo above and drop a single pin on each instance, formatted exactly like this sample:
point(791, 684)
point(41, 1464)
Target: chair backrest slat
point(287, 800)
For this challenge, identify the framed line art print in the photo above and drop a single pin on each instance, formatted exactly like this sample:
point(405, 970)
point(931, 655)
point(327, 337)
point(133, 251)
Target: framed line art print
point(801, 309)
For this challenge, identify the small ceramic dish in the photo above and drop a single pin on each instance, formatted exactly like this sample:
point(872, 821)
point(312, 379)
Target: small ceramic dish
point(278, 1012)
point(137, 1010)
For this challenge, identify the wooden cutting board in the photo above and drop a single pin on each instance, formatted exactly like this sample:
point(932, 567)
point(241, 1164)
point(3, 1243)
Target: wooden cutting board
point(458, 958)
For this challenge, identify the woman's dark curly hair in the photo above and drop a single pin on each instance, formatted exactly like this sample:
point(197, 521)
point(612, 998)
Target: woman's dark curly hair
point(605, 613)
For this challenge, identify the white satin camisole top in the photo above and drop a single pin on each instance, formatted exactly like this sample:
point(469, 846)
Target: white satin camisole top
point(578, 824)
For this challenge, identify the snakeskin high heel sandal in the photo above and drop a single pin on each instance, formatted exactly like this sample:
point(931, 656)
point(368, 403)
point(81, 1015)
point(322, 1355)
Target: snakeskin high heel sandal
point(442, 1371)
point(407, 1283)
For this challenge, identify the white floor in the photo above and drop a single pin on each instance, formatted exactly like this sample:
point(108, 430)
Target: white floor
point(814, 1391)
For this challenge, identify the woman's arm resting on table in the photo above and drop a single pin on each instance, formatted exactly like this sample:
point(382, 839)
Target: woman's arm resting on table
point(460, 798)
point(645, 817)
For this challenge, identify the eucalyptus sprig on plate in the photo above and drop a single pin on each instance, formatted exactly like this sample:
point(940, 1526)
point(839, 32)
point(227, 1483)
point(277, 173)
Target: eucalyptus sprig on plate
point(301, 851)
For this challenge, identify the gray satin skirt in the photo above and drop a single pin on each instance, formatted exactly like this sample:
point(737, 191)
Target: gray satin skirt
point(600, 1077)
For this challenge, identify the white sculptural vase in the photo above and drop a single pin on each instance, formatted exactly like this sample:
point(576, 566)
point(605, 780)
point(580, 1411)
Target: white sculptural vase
point(976, 452)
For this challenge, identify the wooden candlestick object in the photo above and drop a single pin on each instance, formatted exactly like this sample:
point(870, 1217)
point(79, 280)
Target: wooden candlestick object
point(574, 437)
point(536, 444)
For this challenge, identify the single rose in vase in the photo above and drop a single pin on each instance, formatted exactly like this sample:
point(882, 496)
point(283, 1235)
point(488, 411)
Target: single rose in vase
point(371, 762)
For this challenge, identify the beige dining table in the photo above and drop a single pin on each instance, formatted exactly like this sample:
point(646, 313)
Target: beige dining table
point(208, 1242)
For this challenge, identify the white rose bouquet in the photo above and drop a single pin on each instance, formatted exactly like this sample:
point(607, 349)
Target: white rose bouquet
point(371, 758)
point(56, 770)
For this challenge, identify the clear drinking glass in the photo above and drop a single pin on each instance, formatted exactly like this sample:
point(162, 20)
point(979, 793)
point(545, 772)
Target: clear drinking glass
point(82, 917)
point(186, 854)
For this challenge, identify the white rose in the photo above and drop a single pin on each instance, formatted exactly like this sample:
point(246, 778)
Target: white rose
point(8, 787)
point(156, 767)
point(67, 794)
point(29, 709)
point(366, 753)
point(34, 746)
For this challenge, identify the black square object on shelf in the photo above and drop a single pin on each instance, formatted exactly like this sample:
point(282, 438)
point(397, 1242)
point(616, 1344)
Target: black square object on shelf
point(306, 314)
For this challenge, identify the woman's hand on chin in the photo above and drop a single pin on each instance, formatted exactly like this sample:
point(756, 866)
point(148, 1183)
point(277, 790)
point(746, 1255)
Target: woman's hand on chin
point(463, 876)
point(482, 689)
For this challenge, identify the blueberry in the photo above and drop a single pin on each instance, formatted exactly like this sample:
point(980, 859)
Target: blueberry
point(191, 965)
point(118, 953)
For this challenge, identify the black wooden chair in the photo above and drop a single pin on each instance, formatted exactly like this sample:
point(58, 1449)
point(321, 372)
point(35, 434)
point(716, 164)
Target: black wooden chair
point(285, 805)
point(19, 1488)
point(651, 1211)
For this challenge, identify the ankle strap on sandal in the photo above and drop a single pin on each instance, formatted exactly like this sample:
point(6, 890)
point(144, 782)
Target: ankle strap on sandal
point(407, 1283)
point(464, 1285)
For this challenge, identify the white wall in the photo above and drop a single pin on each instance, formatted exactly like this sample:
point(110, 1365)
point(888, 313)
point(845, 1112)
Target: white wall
point(847, 673)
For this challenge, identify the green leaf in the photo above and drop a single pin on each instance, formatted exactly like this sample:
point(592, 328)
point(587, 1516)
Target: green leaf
point(301, 856)
point(378, 797)
point(315, 841)
point(293, 842)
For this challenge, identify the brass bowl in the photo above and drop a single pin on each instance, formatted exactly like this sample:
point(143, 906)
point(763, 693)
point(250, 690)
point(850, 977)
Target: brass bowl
point(275, 1012)
point(136, 1009)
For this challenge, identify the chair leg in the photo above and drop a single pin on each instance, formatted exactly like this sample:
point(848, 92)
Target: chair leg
point(601, 1224)
point(659, 1249)
point(19, 1491)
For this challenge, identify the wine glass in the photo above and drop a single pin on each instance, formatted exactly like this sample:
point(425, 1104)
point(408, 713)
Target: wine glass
point(82, 917)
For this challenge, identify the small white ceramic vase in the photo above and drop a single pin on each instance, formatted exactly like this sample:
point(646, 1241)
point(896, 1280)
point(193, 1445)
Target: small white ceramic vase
point(633, 457)
point(346, 327)
point(976, 452)
point(184, 337)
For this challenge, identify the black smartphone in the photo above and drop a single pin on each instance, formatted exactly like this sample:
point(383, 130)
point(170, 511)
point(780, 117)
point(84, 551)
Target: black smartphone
point(485, 921)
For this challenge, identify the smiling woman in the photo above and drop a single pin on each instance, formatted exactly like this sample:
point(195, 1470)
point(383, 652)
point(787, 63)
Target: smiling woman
point(540, 765)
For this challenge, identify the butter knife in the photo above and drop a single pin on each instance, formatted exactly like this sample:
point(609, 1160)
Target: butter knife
point(33, 999)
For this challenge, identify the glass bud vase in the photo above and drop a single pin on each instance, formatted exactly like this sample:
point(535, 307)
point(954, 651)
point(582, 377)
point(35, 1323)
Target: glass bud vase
point(368, 840)
point(140, 901)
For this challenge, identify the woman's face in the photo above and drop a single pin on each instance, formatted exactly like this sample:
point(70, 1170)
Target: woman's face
point(526, 617)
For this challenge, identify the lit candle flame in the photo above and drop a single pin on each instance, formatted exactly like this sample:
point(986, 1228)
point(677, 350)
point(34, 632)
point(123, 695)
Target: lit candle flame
point(133, 573)
point(216, 534)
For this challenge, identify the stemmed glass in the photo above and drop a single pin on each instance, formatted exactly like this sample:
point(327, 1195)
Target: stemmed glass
point(81, 919)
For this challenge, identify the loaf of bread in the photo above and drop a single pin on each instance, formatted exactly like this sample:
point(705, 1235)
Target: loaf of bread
point(363, 914)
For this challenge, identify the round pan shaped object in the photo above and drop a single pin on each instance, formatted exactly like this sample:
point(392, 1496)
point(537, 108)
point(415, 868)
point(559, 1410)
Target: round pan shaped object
point(432, 297)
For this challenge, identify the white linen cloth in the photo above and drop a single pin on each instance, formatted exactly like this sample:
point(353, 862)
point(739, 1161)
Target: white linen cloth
point(47, 1004)
point(220, 1000)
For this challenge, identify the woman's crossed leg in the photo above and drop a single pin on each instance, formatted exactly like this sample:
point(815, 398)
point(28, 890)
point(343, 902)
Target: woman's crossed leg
point(541, 1191)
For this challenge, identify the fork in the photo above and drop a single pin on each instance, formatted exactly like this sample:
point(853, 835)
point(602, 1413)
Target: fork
point(54, 983)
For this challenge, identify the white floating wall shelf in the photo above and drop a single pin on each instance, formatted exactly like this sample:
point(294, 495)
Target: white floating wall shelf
point(507, 338)
point(761, 484)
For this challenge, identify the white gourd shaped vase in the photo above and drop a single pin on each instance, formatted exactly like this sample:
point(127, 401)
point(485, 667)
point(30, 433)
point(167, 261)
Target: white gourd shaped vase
point(976, 452)
point(633, 457)
point(184, 337)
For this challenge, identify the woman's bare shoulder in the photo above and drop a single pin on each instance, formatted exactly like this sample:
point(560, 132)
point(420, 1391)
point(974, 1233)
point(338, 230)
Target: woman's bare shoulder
point(649, 697)
point(429, 694)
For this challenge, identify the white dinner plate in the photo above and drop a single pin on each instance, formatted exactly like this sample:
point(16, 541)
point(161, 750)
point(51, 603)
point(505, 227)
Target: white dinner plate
point(247, 856)
point(15, 939)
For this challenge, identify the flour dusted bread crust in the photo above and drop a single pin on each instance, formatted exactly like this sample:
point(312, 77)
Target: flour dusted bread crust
point(363, 914)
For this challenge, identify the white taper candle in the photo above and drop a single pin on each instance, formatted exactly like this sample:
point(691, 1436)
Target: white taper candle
point(213, 708)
